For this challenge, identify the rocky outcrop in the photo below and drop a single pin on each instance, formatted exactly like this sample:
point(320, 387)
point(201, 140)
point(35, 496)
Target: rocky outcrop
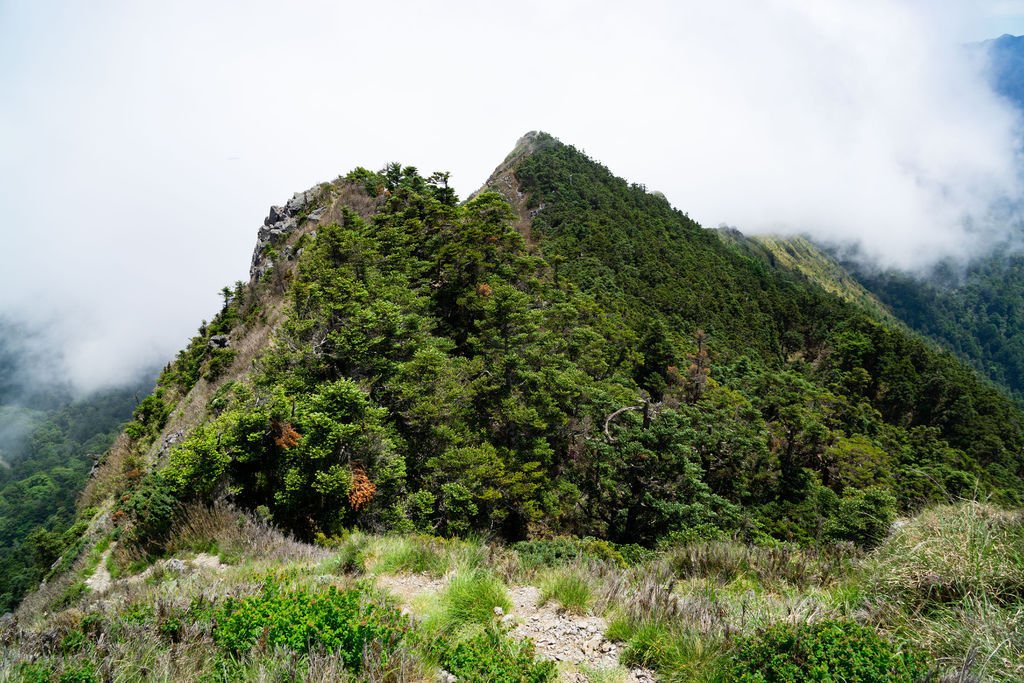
point(281, 222)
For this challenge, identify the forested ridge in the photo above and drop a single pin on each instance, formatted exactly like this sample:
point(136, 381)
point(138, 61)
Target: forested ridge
point(628, 376)
point(568, 431)
point(976, 311)
point(46, 465)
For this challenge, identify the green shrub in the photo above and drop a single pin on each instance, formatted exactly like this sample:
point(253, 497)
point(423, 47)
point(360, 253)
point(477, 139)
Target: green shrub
point(546, 552)
point(81, 673)
point(219, 361)
point(152, 412)
point(344, 622)
point(863, 518)
point(151, 510)
point(491, 655)
point(830, 651)
point(558, 552)
point(32, 672)
point(73, 641)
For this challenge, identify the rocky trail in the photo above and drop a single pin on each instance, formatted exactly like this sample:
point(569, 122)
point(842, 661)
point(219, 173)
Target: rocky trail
point(577, 642)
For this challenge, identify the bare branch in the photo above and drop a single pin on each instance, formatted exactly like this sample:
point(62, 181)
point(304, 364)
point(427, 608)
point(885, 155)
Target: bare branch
point(614, 415)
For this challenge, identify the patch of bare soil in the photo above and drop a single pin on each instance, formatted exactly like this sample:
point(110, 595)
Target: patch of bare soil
point(560, 636)
point(100, 580)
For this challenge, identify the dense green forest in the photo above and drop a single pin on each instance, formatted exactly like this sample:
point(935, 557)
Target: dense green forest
point(626, 375)
point(977, 311)
point(48, 454)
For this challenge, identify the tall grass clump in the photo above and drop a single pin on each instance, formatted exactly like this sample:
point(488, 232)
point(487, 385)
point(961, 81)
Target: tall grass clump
point(466, 636)
point(470, 598)
point(233, 534)
point(771, 566)
point(408, 554)
point(950, 553)
point(952, 582)
point(570, 588)
point(674, 649)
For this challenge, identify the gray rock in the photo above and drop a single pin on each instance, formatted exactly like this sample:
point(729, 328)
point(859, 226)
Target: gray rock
point(297, 202)
point(175, 565)
point(219, 341)
point(277, 214)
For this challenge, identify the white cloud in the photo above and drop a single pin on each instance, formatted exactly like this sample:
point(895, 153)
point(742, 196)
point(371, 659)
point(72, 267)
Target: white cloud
point(142, 142)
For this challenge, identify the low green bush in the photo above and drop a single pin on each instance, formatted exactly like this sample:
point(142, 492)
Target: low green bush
point(558, 552)
point(32, 672)
point(828, 651)
point(81, 673)
point(219, 361)
point(491, 655)
point(341, 621)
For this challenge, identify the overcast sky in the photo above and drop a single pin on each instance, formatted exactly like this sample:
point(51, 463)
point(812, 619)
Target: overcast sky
point(141, 143)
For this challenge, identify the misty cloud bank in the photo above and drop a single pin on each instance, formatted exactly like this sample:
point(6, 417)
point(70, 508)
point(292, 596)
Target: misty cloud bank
point(142, 143)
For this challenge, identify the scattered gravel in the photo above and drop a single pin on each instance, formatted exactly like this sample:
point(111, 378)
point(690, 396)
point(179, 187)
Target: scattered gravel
point(558, 636)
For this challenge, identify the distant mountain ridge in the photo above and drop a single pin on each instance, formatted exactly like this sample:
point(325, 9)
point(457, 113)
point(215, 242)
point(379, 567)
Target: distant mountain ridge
point(1006, 64)
point(977, 309)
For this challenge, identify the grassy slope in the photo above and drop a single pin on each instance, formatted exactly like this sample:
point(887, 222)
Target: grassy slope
point(948, 582)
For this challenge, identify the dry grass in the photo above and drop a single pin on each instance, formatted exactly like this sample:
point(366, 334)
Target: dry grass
point(952, 581)
point(235, 534)
point(110, 476)
point(773, 567)
point(950, 553)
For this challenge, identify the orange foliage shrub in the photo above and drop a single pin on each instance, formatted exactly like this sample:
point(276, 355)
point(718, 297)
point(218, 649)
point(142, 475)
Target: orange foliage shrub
point(287, 435)
point(362, 488)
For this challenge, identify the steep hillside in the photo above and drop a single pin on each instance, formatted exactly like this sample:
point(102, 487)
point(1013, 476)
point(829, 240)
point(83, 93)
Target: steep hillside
point(49, 441)
point(977, 312)
point(563, 362)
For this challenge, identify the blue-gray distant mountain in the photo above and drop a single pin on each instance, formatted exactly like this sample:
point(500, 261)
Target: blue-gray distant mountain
point(1006, 58)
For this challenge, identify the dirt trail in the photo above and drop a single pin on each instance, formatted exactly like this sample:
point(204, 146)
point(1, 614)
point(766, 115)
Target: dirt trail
point(559, 636)
point(100, 580)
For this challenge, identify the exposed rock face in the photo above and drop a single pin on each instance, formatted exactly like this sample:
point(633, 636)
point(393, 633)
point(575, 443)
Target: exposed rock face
point(281, 222)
